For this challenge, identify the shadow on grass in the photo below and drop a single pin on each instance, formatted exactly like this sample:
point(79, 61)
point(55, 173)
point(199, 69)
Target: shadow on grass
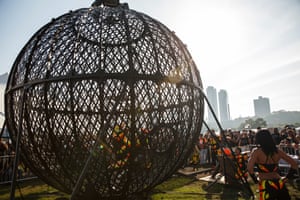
point(224, 192)
point(177, 187)
point(33, 190)
point(191, 189)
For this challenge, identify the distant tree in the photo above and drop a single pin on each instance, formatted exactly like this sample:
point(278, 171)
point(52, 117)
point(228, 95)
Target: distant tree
point(251, 123)
point(246, 124)
point(275, 119)
point(297, 124)
point(260, 122)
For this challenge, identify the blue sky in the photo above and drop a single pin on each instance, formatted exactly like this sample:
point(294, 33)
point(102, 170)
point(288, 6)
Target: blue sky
point(249, 48)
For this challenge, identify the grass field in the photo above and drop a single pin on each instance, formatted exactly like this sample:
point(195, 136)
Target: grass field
point(177, 187)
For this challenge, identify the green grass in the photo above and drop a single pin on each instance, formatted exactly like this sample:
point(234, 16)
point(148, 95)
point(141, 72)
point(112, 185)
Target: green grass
point(191, 189)
point(33, 189)
point(177, 187)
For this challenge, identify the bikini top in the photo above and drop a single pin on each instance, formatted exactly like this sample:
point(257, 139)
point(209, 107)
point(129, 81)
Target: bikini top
point(266, 168)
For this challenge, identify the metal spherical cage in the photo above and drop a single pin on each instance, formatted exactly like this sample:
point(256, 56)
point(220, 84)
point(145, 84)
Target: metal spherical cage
point(110, 84)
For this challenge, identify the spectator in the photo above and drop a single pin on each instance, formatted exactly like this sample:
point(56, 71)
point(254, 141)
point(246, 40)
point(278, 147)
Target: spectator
point(291, 136)
point(244, 140)
point(251, 137)
point(232, 140)
point(236, 137)
point(214, 146)
point(3, 147)
point(194, 161)
point(203, 148)
point(276, 136)
point(241, 161)
point(3, 151)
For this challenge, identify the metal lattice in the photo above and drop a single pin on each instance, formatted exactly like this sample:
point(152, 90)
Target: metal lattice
point(110, 83)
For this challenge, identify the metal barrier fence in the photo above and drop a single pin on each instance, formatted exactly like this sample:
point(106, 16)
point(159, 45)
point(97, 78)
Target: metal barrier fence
point(290, 149)
point(6, 170)
point(293, 152)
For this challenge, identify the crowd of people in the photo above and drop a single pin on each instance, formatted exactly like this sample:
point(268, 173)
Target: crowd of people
point(5, 161)
point(258, 154)
point(206, 149)
point(7, 157)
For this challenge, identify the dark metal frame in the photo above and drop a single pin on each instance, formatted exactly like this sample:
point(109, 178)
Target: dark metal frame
point(232, 160)
point(88, 71)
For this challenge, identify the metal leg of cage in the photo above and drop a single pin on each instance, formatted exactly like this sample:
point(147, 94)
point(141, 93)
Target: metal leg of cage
point(80, 180)
point(213, 183)
point(224, 140)
point(3, 128)
point(223, 163)
point(17, 149)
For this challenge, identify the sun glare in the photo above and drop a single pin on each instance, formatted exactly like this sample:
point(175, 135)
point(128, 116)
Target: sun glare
point(213, 32)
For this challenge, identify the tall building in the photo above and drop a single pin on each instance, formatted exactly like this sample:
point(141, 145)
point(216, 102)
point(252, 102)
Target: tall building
point(2, 90)
point(223, 106)
point(261, 106)
point(211, 93)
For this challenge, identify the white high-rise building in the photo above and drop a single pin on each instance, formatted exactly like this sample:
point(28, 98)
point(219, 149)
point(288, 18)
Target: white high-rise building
point(223, 106)
point(211, 93)
point(2, 90)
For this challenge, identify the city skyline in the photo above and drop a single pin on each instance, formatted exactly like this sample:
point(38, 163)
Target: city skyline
point(216, 104)
point(218, 100)
point(236, 45)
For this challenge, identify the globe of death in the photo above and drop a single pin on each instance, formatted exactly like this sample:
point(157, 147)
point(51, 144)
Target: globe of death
point(110, 85)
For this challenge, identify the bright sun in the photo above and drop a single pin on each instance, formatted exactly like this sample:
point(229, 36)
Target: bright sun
point(213, 31)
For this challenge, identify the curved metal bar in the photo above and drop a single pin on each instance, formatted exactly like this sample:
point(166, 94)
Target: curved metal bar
point(88, 72)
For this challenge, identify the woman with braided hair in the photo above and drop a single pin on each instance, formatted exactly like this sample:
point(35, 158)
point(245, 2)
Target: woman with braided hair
point(266, 158)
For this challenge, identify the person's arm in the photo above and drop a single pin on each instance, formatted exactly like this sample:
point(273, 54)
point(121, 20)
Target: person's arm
point(288, 159)
point(293, 171)
point(251, 163)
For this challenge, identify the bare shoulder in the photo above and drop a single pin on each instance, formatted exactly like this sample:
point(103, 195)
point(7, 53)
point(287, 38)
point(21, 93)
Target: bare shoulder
point(255, 150)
